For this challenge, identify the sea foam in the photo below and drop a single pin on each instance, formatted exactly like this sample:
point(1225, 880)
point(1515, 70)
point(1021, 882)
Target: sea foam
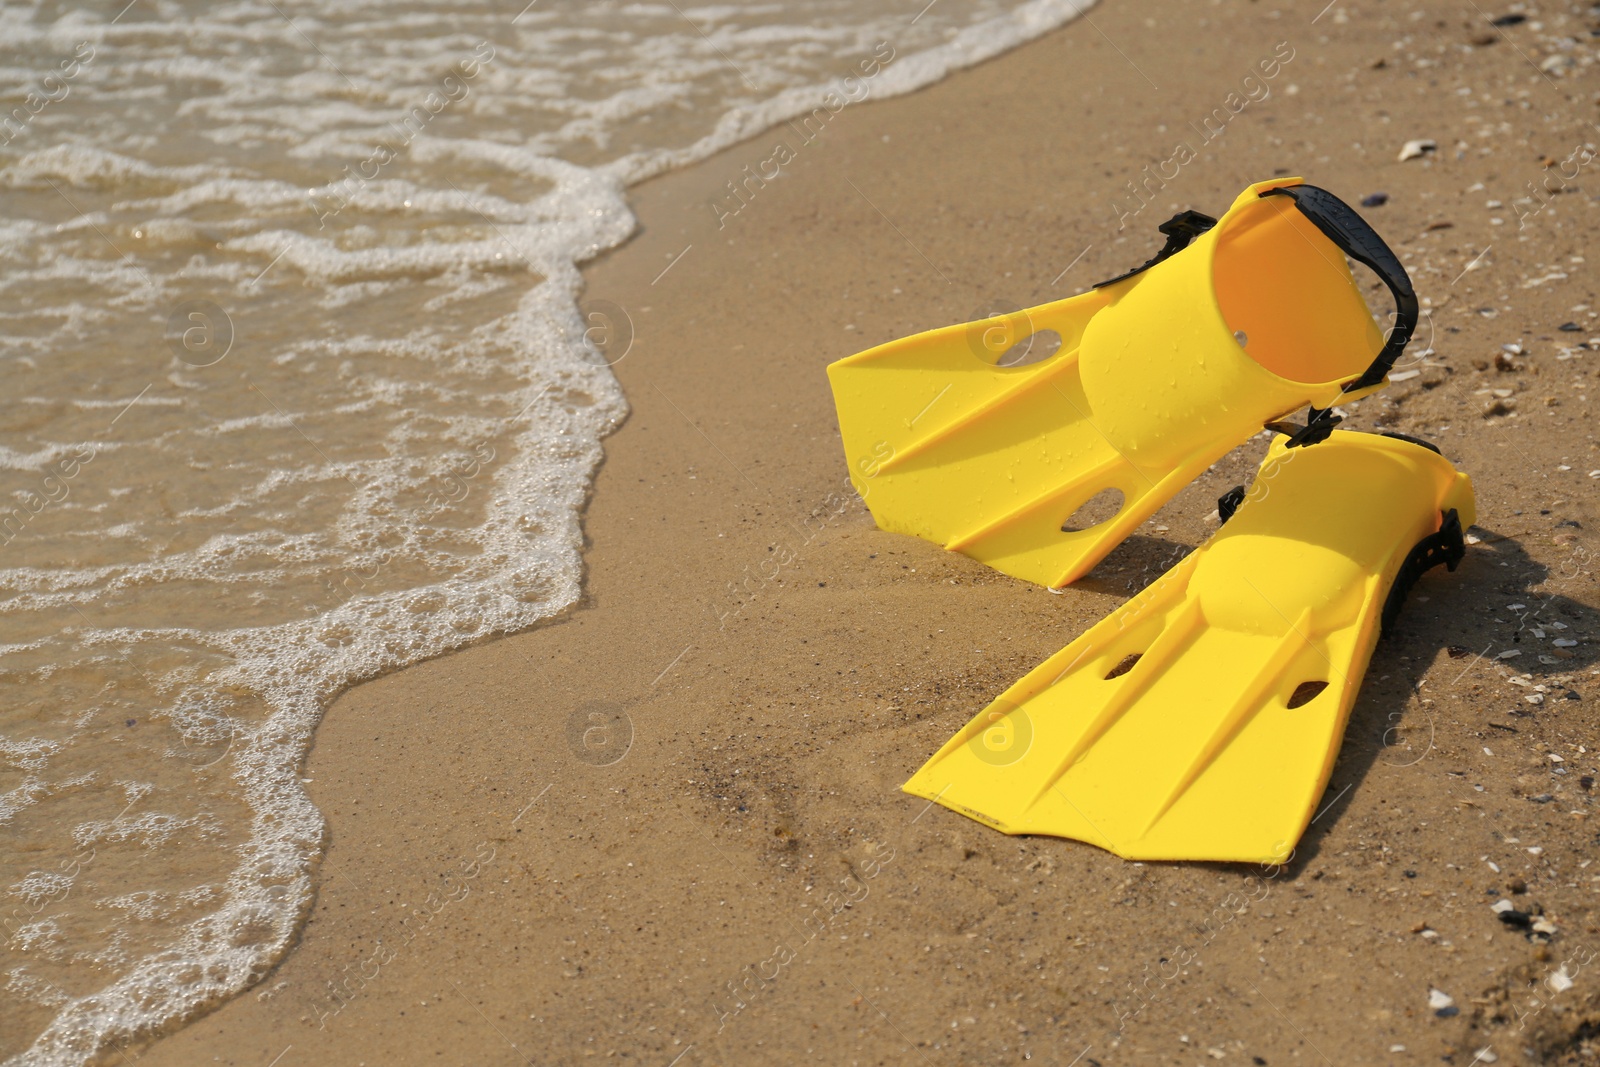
point(302, 393)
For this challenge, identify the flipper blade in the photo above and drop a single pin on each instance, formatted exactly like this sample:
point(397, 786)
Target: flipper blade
point(1219, 741)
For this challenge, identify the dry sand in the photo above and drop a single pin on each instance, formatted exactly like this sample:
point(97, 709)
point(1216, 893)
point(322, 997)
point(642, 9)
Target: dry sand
point(769, 667)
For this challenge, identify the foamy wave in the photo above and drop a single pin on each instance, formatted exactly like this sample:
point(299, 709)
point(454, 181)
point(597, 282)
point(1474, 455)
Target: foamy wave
point(971, 45)
point(309, 397)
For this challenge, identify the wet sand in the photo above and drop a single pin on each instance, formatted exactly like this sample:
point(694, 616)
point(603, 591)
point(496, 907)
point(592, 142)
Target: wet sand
point(667, 828)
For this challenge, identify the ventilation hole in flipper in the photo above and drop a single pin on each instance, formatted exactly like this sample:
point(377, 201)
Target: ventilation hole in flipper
point(1305, 693)
point(1102, 507)
point(1124, 666)
point(1034, 348)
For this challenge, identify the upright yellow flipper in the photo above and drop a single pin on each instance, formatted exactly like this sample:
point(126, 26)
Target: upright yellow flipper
point(1200, 721)
point(1238, 323)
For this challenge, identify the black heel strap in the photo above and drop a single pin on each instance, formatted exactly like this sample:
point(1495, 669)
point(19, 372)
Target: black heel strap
point(1339, 222)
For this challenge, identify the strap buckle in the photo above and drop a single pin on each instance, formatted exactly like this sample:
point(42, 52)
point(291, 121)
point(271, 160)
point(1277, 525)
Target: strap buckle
point(1448, 546)
point(1319, 425)
point(1228, 503)
point(1181, 230)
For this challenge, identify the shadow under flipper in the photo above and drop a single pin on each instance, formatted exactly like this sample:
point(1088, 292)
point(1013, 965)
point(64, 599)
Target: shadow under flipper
point(1132, 565)
point(1521, 605)
point(1500, 602)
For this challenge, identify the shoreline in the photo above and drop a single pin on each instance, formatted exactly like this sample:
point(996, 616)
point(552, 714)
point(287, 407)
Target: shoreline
point(669, 820)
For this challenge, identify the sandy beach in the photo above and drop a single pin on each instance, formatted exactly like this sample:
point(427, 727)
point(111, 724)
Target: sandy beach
point(666, 828)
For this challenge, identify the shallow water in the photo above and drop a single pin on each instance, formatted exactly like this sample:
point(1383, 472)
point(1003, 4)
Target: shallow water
point(299, 390)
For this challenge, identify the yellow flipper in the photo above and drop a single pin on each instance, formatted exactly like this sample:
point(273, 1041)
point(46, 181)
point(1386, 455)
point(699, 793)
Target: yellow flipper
point(1157, 376)
point(1200, 721)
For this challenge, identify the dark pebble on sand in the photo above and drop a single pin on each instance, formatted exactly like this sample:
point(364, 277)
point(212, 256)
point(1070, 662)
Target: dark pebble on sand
point(1513, 19)
point(1570, 327)
point(1375, 200)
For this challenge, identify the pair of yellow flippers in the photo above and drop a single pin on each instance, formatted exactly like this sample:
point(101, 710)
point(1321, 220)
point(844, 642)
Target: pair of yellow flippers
point(1200, 720)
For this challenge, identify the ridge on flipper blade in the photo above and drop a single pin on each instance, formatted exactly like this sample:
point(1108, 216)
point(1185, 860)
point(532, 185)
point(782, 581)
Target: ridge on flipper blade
point(1201, 719)
point(952, 437)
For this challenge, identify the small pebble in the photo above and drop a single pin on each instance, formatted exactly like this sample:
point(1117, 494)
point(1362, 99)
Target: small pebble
point(1375, 200)
point(1442, 1003)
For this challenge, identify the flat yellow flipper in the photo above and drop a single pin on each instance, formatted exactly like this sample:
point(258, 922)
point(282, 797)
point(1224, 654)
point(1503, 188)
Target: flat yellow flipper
point(1200, 721)
point(950, 437)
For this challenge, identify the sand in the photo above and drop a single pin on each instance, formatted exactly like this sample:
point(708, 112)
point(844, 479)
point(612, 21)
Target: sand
point(667, 828)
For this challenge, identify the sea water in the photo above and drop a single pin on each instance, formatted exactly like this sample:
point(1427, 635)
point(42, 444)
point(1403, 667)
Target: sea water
point(299, 388)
